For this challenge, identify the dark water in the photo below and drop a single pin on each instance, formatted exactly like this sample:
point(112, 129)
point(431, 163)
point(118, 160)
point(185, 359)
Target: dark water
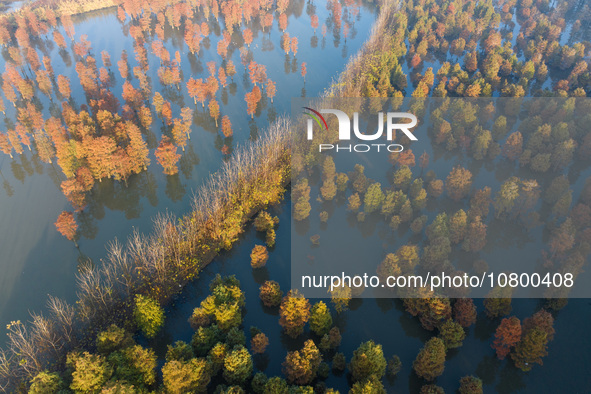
point(35, 260)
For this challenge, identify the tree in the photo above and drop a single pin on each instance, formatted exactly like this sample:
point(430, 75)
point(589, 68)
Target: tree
point(271, 90)
point(370, 386)
point(59, 39)
point(90, 372)
point(530, 349)
point(301, 366)
point(230, 69)
point(191, 376)
point(5, 144)
point(238, 366)
point(304, 70)
point(166, 112)
point(167, 156)
point(320, 319)
point(205, 339)
point(63, 86)
point(543, 320)
point(508, 334)
point(225, 302)
point(480, 202)
point(112, 340)
point(135, 365)
point(259, 343)
point(226, 126)
point(123, 66)
point(252, 99)
point(475, 236)
point(43, 82)
point(340, 297)
point(66, 225)
point(435, 188)
point(513, 147)
point(259, 256)
point(197, 90)
point(301, 196)
point(374, 197)
point(458, 183)
point(430, 361)
point(368, 361)
point(222, 77)
point(214, 111)
point(294, 313)
point(458, 226)
point(404, 158)
point(394, 366)
point(258, 382)
point(148, 315)
point(46, 383)
point(276, 385)
point(293, 45)
point(470, 385)
point(465, 312)
point(270, 293)
point(452, 334)
point(431, 389)
point(247, 35)
point(498, 302)
point(145, 117)
point(402, 178)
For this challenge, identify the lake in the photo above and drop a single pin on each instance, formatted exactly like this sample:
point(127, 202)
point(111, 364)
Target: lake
point(35, 260)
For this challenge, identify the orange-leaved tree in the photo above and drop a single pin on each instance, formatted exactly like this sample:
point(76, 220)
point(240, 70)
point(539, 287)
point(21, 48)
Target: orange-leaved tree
point(66, 225)
point(507, 336)
point(167, 156)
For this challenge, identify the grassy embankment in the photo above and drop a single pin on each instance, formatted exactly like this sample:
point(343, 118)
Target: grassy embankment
point(161, 263)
